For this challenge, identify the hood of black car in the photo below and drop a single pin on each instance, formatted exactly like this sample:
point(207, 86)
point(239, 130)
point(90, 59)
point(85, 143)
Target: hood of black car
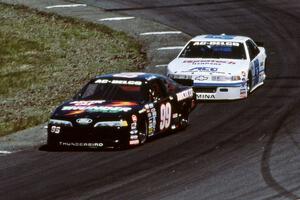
point(96, 109)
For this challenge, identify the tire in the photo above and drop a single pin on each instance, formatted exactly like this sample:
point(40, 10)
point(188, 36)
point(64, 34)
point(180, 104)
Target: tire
point(249, 82)
point(266, 67)
point(184, 119)
point(143, 133)
point(142, 137)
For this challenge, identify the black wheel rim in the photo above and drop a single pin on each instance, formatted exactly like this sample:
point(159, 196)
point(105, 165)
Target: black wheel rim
point(249, 83)
point(143, 135)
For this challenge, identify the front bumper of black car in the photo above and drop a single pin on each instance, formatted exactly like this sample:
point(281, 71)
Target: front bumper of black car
point(92, 137)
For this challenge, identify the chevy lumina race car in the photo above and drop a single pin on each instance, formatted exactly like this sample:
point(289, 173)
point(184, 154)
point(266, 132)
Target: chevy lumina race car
point(118, 110)
point(220, 66)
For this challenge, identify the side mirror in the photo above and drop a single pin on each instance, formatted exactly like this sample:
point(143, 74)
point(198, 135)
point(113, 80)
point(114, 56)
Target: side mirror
point(77, 96)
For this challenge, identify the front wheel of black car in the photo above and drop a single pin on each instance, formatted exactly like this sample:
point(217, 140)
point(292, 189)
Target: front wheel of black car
point(143, 133)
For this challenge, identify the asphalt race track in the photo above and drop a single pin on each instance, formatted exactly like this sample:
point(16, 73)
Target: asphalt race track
point(248, 149)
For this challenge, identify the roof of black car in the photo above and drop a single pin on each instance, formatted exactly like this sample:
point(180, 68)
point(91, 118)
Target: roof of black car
point(139, 76)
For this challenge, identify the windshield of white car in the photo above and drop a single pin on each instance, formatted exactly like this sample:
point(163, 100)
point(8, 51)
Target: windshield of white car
point(214, 49)
point(108, 91)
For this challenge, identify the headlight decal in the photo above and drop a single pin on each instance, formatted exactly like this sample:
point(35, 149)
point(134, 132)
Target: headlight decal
point(60, 122)
point(221, 84)
point(180, 76)
point(121, 123)
point(225, 78)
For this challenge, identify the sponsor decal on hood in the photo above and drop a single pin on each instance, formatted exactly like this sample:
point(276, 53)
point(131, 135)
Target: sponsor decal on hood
point(79, 107)
point(203, 69)
point(208, 62)
point(208, 66)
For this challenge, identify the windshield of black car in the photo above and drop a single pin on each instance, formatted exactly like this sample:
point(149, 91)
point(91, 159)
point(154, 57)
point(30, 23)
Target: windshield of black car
point(115, 92)
point(214, 49)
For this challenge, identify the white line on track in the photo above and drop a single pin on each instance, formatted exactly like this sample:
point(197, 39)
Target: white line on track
point(161, 33)
point(170, 48)
point(116, 18)
point(67, 6)
point(5, 152)
point(165, 65)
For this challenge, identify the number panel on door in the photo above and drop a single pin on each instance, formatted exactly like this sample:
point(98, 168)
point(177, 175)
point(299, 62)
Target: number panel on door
point(165, 116)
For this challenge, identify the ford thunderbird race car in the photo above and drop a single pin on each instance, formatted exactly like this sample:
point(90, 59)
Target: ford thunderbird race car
point(220, 66)
point(119, 110)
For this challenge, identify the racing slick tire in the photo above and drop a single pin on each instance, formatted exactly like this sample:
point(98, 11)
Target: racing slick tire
point(266, 67)
point(184, 119)
point(143, 133)
point(249, 83)
point(184, 122)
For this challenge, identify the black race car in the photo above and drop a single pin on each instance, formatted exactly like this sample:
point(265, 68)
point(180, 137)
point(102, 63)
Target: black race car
point(119, 110)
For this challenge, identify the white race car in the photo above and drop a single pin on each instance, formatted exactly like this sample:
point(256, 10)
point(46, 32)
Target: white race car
point(220, 67)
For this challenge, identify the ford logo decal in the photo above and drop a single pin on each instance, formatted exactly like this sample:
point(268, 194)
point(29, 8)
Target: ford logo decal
point(84, 121)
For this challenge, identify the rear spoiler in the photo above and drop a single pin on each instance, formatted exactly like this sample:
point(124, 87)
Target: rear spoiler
point(260, 44)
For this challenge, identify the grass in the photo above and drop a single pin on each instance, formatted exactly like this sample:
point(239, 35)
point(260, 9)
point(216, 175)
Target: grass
point(45, 59)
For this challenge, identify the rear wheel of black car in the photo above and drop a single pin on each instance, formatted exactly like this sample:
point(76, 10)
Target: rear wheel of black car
point(184, 119)
point(143, 133)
